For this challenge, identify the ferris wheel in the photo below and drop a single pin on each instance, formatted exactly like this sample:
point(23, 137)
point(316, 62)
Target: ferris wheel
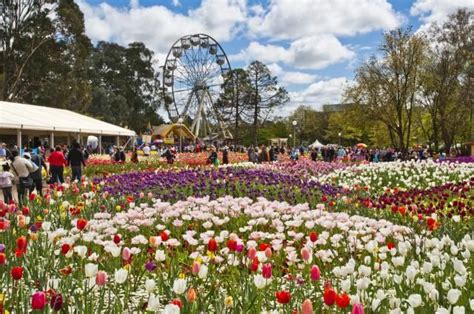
point(193, 76)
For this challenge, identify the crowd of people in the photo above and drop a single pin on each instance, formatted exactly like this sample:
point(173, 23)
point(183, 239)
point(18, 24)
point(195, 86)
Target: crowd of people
point(25, 170)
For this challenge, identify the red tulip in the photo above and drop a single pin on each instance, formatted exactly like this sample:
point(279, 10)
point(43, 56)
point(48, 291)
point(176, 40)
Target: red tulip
point(21, 243)
point(164, 236)
point(38, 300)
point(117, 238)
point(232, 245)
point(402, 210)
point(17, 272)
point(342, 300)
point(313, 236)
point(267, 271)
point(56, 302)
point(263, 246)
point(254, 265)
point(81, 223)
point(390, 245)
point(25, 210)
point(283, 297)
point(3, 259)
point(212, 245)
point(177, 302)
point(329, 296)
point(65, 248)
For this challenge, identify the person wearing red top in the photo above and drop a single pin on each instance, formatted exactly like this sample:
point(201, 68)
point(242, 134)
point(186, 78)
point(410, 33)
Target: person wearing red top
point(56, 165)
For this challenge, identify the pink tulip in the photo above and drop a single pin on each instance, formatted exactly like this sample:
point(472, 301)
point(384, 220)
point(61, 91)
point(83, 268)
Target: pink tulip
point(196, 267)
point(357, 308)
point(101, 278)
point(126, 254)
point(268, 252)
point(307, 307)
point(240, 247)
point(305, 254)
point(315, 273)
point(267, 271)
point(252, 253)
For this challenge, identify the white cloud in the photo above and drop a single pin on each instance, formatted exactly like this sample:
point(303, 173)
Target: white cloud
point(158, 27)
point(291, 77)
point(314, 52)
point(319, 93)
point(176, 3)
point(290, 19)
point(430, 11)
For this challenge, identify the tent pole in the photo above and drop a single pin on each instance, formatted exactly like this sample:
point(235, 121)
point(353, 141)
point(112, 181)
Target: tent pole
point(18, 139)
point(100, 144)
point(51, 139)
point(117, 140)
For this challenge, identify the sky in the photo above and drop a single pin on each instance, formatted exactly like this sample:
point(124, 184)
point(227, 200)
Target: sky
point(312, 46)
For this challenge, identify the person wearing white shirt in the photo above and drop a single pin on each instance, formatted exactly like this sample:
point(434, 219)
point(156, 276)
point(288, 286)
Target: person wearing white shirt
point(21, 170)
point(146, 150)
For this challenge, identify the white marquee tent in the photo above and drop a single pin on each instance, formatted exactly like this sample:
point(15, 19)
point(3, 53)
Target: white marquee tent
point(316, 144)
point(34, 120)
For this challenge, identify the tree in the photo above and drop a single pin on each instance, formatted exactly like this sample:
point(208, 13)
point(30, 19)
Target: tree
point(446, 82)
point(24, 29)
point(235, 100)
point(45, 64)
point(311, 124)
point(387, 87)
point(265, 95)
point(124, 82)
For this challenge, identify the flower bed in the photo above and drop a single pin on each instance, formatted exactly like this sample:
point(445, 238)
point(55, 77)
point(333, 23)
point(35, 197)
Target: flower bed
point(230, 254)
point(178, 185)
point(377, 177)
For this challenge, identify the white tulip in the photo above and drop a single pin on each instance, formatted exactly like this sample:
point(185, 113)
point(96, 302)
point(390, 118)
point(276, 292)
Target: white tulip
point(427, 267)
point(153, 303)
point(179, 286)
point(120, 275)
point(375, 304)
point(434, 295)
point(150, 285)
point(160, 255)
point(454, 250)
point(415, 300)
point(203, 271)
point(471, 304)
point(411, 273)
point(171, 309)
point(442, 310)
point(46, 225)
point(460, 281)
point(459, 310)
point(453, 295)
point(259, 281)
point(459, 266)
point(91, 269)
point(81, 250)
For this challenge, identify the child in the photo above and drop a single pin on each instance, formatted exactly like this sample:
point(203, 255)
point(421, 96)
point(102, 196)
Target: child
point(6, 183)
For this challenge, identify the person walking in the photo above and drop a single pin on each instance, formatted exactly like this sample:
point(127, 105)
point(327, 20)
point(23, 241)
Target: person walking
point(75, 159)
point(213, 159)
point(6, 183)
point(56, 165)
point(37, 176)
point(225, 155)
point(22, 169)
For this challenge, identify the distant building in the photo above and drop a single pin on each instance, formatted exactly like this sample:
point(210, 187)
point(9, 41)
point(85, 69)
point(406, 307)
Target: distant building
point(335, 107)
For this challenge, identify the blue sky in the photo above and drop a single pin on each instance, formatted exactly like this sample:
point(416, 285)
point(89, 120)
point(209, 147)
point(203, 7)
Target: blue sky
point(312, 46)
